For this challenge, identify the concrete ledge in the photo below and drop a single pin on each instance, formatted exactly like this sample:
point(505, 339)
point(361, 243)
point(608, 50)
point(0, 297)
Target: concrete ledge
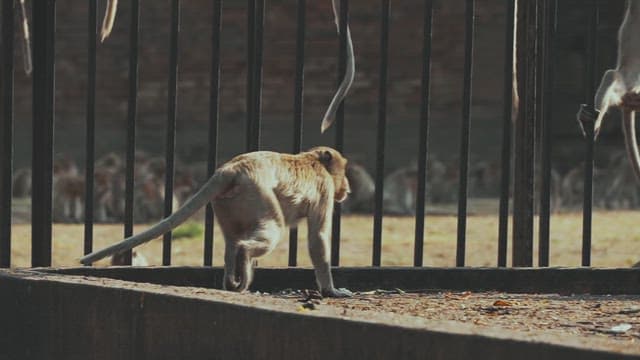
point(51, 316)
point(514, 280)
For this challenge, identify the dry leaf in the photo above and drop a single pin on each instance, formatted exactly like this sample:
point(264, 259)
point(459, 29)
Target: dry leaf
point(502, 303)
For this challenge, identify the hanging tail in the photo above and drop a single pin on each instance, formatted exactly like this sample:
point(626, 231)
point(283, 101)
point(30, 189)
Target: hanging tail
point(347, 81)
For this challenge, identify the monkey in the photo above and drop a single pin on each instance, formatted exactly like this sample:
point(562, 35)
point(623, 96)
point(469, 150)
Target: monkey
point(111, 161)
point(484, 179)
point(137, 259)
point(349, 75)
point(620, 187)
point(442, 181)
point(68, 198)
point(255, 195)
point(109, 19)
point(184, 184)
point(620, 87)
point(572, 187)
point(148, 200)
point(400, 191)
point(362, 190)
point(21, 183)
point(63, 165)
point(68, 186)
point(109, 180)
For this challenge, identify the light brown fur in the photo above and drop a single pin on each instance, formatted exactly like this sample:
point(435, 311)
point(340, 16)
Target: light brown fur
point(255, 197)
point(109, 19)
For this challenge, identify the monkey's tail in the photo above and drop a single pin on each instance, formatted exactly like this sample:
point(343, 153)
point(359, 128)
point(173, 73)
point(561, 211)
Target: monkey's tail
point(631, 142)
point(109, 19)
point(347, 81)
point(26, 40)
point(214, 186)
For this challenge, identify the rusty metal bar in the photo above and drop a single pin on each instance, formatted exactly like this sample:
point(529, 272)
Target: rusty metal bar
point(298, 106)
point(424, 132)
point(524, 135)
point(214, 115)
point(507, 134)
point(90, 141)
point(170, 148)
point(6, 124)
point(44, 28)
point(132, 114)
point(339, 126)
point(382, 129)
point(546, 91)
point(588, 126)
point(465, 133)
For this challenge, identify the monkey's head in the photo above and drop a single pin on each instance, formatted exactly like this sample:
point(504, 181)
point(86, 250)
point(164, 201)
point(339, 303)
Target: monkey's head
point(336, 165)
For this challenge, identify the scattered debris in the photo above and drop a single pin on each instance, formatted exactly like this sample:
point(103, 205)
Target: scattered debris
point(629, 311)
point(502, 303)
point(621, 328)
point(309, 306)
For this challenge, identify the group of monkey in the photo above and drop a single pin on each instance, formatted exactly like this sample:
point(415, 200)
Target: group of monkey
point(109, 188)
point(257, 195)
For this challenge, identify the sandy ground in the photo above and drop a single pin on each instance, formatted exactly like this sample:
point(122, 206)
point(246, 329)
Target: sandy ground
point(616, 242)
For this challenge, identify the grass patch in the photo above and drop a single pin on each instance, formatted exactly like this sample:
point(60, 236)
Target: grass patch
point(188, 230)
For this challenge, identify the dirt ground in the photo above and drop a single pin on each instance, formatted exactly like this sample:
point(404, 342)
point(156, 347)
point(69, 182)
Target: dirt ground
point(610, 320)
point(616, 242)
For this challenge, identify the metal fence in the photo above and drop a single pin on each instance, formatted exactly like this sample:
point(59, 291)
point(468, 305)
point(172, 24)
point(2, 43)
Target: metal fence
point(537, 21)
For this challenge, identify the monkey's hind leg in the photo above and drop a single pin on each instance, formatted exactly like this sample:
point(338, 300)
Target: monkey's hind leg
point(239, 255)
point(262, 241)
point(230, 277)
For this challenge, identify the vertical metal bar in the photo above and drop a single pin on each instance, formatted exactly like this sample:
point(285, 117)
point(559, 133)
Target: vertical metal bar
point(298, 104)
point(339, 125)
point(424, 133)
point(214, 114)
point(132, 113)
point(464, 133)
point(525, 133)
point(251, 46)
point(382, 128)
point(546, 123)
point(257, 81)
point(539, 99)
point(170, 148)
point(507, 131)
point(590, 87)
point(90, 130)
point(43, 120)
point(6, 149)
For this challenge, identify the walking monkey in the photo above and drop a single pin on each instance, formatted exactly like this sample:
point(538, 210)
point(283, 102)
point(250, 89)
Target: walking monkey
point(255, 196)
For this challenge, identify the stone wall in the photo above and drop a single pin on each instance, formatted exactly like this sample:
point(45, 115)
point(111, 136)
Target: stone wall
point(320, 77)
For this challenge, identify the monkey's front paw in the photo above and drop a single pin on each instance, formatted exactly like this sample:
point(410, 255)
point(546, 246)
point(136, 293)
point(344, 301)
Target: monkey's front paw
point(337, 293)
point(586, 117)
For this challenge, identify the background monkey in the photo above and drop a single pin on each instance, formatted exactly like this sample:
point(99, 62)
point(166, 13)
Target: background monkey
point(255, 195)
point(621, 87)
